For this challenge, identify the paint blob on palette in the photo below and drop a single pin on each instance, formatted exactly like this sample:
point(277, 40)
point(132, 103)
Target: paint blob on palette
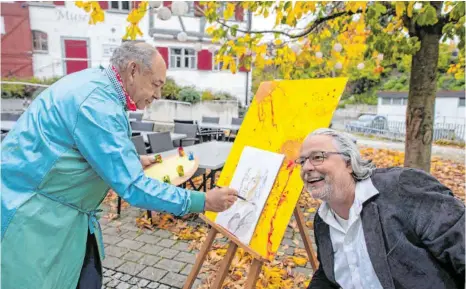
point(281, 115)
point(253, 179)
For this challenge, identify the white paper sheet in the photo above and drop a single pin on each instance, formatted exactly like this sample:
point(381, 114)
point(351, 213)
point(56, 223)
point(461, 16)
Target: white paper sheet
point(253, 179)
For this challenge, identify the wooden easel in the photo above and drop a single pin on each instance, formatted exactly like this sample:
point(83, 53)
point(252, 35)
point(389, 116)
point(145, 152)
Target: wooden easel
point(234, 243)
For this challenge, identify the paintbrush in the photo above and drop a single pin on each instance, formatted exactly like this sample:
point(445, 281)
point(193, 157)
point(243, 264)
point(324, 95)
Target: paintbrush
point(240, 197)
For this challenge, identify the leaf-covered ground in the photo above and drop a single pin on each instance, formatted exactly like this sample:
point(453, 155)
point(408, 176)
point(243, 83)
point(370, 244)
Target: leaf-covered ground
point(279, 273)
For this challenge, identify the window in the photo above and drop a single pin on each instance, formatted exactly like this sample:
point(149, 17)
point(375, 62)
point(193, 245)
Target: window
point(219, 66)
point(461, 102)
point(39, 41)
point(190, 8)
point(182, 58)
point(386, 101)
point(2, 23)
point(119, 5)
point(396, 101)
point(404, 101)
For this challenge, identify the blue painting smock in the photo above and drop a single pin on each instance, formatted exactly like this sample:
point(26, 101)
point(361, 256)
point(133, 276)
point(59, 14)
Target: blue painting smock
point(57, 165)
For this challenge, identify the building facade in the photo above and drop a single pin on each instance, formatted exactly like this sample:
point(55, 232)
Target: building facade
point(16, 36)
point(449, 106)
point(56, 39)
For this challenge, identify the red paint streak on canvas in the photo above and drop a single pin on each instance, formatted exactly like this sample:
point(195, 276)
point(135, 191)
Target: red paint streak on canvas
point(260, 112)
point(272, 112)
point(282, 199)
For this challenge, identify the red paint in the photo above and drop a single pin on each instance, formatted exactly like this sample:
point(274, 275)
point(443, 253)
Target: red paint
point(75, 49)
point(167, 3)
point(136, 4)
point(103, 5)
point(164, 52)
point(290, 164)
point(272, 111)
point(282, 199)
point(59, 3)
point(204, 60)
point(16, 52)
point(260, 112)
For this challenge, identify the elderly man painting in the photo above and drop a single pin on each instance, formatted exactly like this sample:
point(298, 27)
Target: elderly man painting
point(59, 161)
point(380, 228)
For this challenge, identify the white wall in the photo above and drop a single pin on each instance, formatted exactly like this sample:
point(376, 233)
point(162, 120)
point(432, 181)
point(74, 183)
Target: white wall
point(225, 81)
point(165, 111)
point(72, 22)
point(446, 111)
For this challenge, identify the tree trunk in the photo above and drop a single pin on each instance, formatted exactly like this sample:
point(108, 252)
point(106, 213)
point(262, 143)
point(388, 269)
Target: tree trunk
point(420, 111)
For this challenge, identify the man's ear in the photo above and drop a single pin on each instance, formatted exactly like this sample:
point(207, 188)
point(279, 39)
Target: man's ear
point(133, 69)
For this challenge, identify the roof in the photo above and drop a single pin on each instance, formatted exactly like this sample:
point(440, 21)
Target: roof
point(404, 94)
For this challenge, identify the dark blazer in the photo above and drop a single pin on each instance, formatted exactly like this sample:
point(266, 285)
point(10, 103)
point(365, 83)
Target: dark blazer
point(414, 231)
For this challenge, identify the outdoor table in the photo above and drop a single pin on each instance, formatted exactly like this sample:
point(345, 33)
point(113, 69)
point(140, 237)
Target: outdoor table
point(212, 156)
point(174, 136)
point(215, 127)
point(7, 125)
point(206, 125)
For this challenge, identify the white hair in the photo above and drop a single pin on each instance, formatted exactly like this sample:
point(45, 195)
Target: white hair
point(362, 169)
point(130, 51)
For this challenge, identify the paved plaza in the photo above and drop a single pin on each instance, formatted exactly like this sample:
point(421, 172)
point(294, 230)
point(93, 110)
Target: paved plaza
point(141, 258)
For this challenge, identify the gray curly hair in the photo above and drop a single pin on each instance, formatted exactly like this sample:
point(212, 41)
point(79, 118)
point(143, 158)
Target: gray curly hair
point(362, 169)
point(139, 52)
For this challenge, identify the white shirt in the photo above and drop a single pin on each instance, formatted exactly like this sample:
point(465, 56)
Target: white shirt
point(352, 266)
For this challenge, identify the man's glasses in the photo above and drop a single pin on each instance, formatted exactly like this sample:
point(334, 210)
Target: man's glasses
point(316, 158)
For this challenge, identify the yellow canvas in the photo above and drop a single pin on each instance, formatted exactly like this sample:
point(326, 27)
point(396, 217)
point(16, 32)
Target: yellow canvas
point(280, 116)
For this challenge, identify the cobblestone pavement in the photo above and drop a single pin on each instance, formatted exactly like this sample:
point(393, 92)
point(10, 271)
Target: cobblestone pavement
point(153, 259)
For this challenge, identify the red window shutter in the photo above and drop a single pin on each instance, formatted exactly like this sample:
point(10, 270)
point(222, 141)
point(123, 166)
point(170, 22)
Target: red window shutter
point(242, 68)
point(164, 52)
point(204, 60)
point(103, 5)
point(136, 4)
point(59, 3)
point(167, 3)
point(196, 12)
point(239, 12)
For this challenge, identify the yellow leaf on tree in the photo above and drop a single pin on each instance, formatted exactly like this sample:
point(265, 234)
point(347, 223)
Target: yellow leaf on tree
point(409, 11)
point(233, 65)
point(210, 30)
point(399, 8)
point(229, 11)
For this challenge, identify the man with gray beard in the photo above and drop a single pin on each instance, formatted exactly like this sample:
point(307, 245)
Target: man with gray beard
point(380, 228)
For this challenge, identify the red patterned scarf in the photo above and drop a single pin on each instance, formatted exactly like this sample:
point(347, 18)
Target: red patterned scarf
point(129, 102)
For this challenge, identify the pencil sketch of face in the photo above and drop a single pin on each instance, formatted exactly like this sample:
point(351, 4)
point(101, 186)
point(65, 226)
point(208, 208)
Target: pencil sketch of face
point(252, 184)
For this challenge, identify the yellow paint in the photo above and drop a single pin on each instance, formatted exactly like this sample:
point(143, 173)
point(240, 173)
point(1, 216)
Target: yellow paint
point(280, 116)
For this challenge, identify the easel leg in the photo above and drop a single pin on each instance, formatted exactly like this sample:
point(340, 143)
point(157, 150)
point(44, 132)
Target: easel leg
point(306, 239)
point(225, 266)
point(253, 275)
point(200, 259)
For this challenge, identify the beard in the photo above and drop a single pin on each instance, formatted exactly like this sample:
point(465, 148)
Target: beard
point(323, 192)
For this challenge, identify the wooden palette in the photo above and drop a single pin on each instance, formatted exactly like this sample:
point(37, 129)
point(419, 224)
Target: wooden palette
point(168, 167)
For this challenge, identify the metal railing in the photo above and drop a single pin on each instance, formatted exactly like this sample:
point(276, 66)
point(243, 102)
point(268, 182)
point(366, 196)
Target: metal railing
point(396, 130)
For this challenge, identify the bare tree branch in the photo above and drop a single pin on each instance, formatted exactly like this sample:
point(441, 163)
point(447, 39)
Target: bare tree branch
point(301, 34)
